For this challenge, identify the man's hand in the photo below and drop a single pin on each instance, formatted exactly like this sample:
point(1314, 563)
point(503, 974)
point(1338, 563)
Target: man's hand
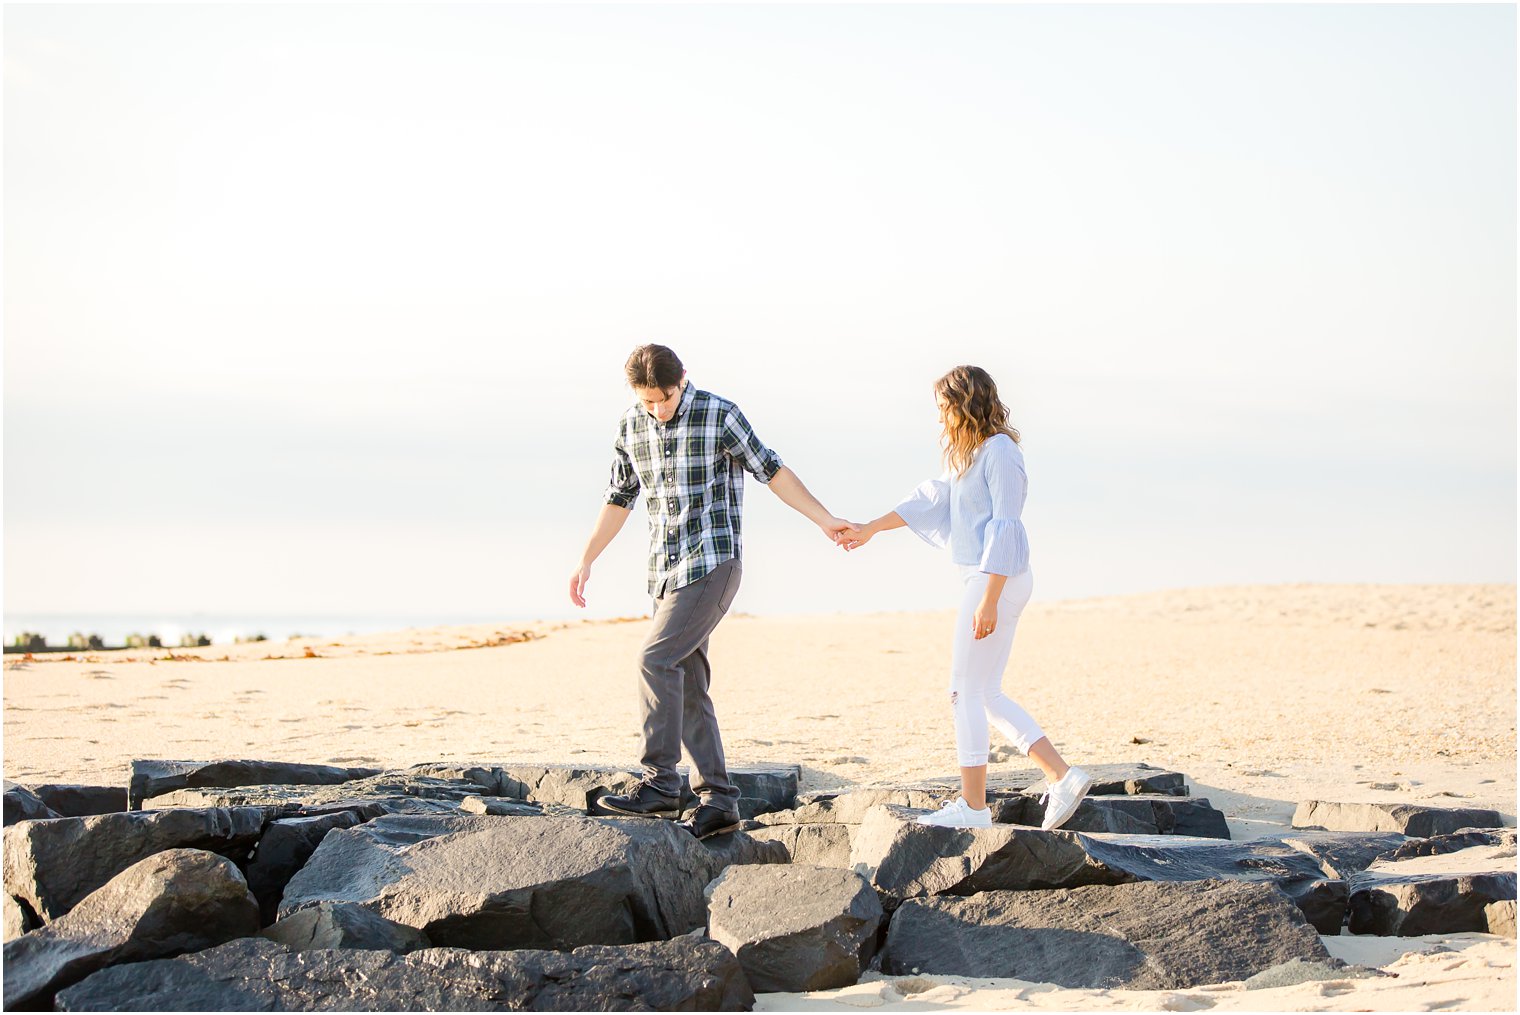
point(578, 585)
point(834, 527)
point(856, 536)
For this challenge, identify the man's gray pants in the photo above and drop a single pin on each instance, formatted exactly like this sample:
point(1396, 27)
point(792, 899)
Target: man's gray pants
point(675, 677)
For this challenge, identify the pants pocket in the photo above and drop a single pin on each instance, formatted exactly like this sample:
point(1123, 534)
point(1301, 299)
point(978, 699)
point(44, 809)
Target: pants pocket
point(730, 588)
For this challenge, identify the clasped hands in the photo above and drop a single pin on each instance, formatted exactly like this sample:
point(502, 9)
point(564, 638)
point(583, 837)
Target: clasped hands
point(848, 535)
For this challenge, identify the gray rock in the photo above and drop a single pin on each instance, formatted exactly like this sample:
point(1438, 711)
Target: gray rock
point(824, 845)
point(1409, 819)
point(52, 865)
point(905, 860)
point(151, 778)
point(1134, 814)
point(1308, 971)
point(1131, 779)
point(1465, 838)
point(176, 901)
point(490, 882)
point(795, 927)
point(344, 925)
point(75, 801)
point(1342, 854)
point(687, 974)
point(17, 920)
point(1500, 917)
point(1401, 898)
point(389, 791)
point(851, 807)
point(283, 849)
point(21, 804)
point(765, 787)
point(1152, 936)
point(744, 848)
point(499, 805)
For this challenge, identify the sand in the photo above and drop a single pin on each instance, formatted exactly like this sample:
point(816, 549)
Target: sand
point(1263, 696)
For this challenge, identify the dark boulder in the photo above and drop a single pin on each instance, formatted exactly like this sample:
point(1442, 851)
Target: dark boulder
point(687, 974)
point(180, 900)
point(151, 778)
point(21, 804)
point(1151, 936)
point(1408, 819)
point(52, 865)
point(487, 882)
point(344, 925)
point(75, 801)
point(283, 849)
point(795, 927)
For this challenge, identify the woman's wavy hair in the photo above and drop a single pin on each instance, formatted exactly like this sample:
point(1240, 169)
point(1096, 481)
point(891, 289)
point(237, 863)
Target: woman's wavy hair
point(973, 413)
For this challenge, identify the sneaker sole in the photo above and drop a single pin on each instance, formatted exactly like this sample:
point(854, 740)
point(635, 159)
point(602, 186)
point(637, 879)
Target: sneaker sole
point(1063, 818)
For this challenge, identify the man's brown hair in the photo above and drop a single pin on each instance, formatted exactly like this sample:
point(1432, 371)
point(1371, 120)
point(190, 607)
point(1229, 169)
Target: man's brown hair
point(654, 366)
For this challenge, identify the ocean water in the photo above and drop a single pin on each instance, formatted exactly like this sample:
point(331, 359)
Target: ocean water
point(222, 629)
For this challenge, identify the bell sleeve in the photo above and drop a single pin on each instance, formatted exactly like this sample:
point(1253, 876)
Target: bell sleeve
point(927, 511)
point(1005, 544)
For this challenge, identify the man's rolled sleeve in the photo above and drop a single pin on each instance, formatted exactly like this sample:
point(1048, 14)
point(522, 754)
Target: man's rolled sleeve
point(623, 488)
point(741, 444)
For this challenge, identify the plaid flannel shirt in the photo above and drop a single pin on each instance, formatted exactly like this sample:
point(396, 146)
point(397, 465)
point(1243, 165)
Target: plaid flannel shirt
point(688, 469)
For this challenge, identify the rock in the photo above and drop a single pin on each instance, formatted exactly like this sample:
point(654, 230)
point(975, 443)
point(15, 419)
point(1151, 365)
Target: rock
point(764, 787)
point(744, 848)
point(344, 925)
point(488, 882)
point(285, 846)
point(1500, 917)
point(51, 865)
point(151, 778)
point(389, 791)
point(1437, 894)
point(21, 804)
point(1150, 936)
point(1461, 839)
point(1410, 819)
point(1176, 858)
point(823, 845)
point(73, 801)
point(1307, 971)
point(687, 974)
point(1130, 779)
point(179, 900)
point(1137, 814)
point(906, 860)
point(1342, 854)
point(795, 927)
point(499, 805)
point(17, 919)
point(852, 807)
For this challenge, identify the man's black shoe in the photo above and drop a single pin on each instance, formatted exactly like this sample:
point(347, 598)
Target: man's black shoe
point(644, 802)
point(709, 821)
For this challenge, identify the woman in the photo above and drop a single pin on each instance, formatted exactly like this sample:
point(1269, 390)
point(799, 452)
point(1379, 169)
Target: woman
point(974, 508)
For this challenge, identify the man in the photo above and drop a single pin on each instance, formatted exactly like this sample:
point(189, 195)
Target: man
point(684, 448)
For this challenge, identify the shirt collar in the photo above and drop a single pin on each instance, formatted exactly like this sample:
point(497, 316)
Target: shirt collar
point(686, 399)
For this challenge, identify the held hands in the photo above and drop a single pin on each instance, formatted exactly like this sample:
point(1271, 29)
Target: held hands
point(854, 535)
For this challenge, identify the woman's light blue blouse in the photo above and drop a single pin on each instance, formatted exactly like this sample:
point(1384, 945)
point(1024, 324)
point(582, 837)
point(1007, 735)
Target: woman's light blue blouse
point(977, 513)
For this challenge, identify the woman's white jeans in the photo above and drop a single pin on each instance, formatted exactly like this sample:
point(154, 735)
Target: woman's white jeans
point(976, 671)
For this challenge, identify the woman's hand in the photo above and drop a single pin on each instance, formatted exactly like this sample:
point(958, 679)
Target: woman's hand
point(856, 536)
point(984, 621)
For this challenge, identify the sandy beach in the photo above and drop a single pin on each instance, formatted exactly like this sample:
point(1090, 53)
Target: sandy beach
point(1263, 696)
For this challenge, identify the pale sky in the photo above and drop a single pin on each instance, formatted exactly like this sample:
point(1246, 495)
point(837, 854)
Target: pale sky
point(323, 309)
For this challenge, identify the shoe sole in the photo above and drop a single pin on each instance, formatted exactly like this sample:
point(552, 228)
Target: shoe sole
point(609, 809)
point(721, 831)
point(1062, 819)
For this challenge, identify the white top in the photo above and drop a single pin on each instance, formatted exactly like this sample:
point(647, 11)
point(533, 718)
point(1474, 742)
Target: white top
point(976, 513)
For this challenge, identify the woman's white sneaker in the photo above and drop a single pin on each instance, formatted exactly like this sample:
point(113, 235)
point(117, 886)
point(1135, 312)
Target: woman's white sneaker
point(1062, 797)
point(958, 814)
